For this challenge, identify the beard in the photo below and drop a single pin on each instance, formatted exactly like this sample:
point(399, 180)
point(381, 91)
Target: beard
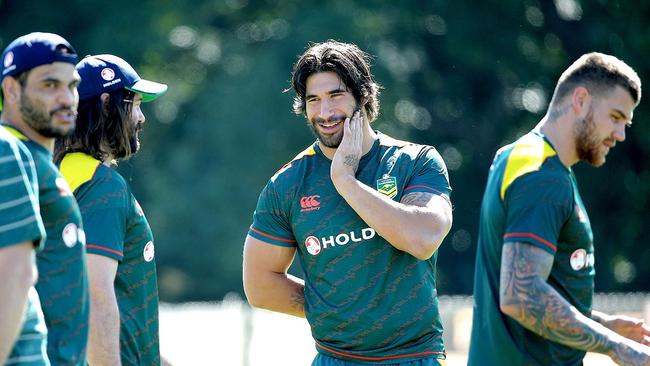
point(328, 140)
point(134, 140)
point(588, 144)
point(36, 117)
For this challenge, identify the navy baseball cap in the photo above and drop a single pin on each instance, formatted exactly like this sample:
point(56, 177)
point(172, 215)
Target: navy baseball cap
point(107, 73)
point(32, 50)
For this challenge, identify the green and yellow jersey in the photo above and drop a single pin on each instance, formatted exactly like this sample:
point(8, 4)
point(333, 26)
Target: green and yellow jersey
point(117, 228)
point(530, 197)
point(20, 222)
point(62, 277)
point(365, 300)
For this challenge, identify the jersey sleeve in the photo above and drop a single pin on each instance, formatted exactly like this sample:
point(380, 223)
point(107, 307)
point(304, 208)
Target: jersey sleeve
point(271, 219)
point(20, 219)
point(537, 205)
point(429, 174)
point(103, 209)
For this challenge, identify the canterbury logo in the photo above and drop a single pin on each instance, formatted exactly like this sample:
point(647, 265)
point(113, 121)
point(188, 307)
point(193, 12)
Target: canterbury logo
point(309, 203)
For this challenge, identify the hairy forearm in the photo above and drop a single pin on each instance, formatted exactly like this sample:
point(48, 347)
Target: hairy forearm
point(104, 332)
point(407, 226)
point(279, 292)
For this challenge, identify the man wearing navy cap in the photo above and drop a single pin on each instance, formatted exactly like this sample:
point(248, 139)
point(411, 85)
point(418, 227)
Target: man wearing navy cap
point(121, 265)
point(39, 87)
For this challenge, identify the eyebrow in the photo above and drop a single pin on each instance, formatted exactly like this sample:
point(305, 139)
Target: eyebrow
point(620, 113)
point(334, 91)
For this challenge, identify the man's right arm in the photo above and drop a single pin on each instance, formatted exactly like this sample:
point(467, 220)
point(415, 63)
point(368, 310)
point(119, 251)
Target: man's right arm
point(266, 281)
point(18, 274)
point(526, 296)
point(104, 330)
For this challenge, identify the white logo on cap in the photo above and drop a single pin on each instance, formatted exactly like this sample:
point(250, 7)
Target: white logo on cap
point(148, 252)
point(9, 58)
point(70, 235)
point(108, 74)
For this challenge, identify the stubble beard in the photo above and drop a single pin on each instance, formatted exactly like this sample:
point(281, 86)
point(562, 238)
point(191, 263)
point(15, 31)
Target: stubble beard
point(588, 144)
point(39, 120)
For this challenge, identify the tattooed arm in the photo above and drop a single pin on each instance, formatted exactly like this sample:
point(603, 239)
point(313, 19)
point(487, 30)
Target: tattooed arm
point(526, 297)
point(266, 281)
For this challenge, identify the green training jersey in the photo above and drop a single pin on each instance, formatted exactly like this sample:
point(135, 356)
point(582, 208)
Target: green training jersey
point(365, 300)
point(62, 278)
point(20, 222)
point(117, 228)
point(530, 197)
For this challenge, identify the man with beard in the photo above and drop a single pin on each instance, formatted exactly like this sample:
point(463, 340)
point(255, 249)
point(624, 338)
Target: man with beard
point(121, 265)
point(534, 278)
point(40, 94)
point(366, 215)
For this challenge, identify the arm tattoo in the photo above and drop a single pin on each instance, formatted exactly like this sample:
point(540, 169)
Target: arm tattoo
point(417, 199)
point(351, 160)
point(298, 299)
point(531, 301)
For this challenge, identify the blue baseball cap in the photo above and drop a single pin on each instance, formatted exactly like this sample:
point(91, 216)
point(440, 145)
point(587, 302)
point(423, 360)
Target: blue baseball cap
point(107, 73)
point(32, 50)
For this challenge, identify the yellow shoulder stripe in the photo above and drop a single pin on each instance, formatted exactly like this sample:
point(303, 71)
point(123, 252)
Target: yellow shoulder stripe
point(307, 152)
point(17, 134)
point(527, 156)
point(78, 168)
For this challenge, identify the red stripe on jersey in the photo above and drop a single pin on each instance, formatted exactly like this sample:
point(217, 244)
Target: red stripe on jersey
point(379, 358)
point(91, 246)
point(531, 235)
point(272, 237)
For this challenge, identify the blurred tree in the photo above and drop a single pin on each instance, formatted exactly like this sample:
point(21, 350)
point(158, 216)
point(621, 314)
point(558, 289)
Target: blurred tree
point(466, 77)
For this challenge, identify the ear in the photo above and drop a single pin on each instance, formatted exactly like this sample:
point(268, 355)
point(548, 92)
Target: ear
point(581, 101)
point(105, 97)
point(11, 90)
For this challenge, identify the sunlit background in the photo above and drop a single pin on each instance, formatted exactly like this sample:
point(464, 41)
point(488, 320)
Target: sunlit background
point(464, 76)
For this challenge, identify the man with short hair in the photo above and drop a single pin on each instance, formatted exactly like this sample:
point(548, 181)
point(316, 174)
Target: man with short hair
point(366, 215)
point(534, 278)
point(40, 97)
point(121, 265)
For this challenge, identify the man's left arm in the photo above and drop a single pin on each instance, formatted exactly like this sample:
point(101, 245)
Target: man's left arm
point(629, 327)
point(417, 224)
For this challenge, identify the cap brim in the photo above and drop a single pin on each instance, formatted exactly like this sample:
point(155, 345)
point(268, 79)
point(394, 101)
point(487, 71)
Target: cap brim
point(150, 90)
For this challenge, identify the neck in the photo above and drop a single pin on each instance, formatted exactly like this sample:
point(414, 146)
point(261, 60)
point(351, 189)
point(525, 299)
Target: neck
point(560, 133)
point(17, 121)
point(369, 137)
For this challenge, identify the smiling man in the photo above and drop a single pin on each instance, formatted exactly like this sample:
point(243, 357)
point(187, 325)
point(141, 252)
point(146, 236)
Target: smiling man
point(534, 277)
point(40, 96)
point(365, 214)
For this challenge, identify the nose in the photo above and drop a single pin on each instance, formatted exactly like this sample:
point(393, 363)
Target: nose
point(68, 96)
point(139, 116)
point(325, 109)
point(619, 133)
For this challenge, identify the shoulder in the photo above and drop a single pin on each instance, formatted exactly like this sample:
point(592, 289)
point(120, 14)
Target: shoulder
point(295, 166)
point(407, 149)
point(82, 170)
point(532, 157)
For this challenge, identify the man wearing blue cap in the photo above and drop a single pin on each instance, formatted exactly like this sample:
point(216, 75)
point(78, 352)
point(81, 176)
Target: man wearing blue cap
point(39, 83)
point(122, 269)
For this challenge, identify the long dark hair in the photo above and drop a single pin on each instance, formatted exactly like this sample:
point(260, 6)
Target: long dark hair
point(103, 130)
point(349, 62)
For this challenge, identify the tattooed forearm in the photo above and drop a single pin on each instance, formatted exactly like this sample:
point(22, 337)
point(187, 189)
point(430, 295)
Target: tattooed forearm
point(352, 161)
point(417, 199)
point(528, 298)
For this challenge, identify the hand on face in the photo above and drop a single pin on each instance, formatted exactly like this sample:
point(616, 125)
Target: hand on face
point(346, 158)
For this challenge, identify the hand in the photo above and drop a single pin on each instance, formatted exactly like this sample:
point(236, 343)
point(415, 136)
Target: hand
point(633, 328)
point(346, 158)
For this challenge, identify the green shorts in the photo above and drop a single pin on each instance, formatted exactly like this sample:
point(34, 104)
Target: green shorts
point(323, 360)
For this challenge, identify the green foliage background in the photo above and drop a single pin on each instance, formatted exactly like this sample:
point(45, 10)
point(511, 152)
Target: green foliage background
point(464, 76)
